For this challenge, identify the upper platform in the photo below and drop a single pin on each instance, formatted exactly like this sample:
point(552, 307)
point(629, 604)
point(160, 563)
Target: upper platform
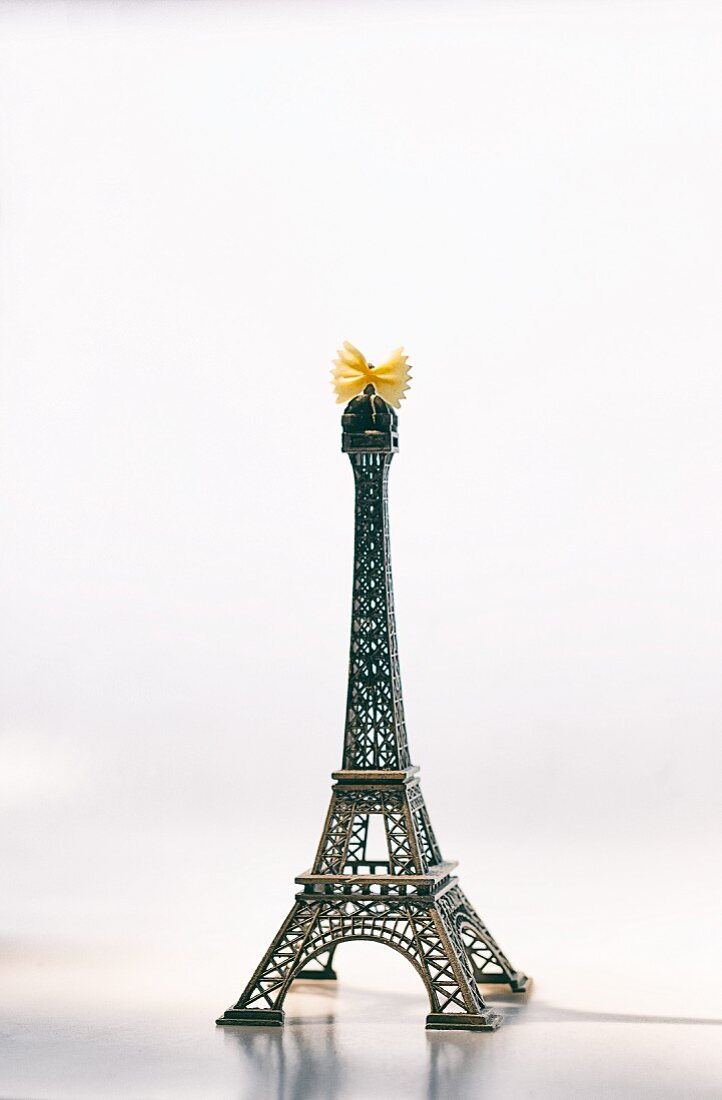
point(369, 425)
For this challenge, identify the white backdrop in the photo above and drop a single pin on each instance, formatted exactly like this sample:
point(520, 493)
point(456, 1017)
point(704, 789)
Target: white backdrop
point(198, 204)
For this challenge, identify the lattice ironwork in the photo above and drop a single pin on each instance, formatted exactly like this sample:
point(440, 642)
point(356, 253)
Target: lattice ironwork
point(489, 963)
point(421, 934)
point(375, 725)
point(412, 846)
point(407, 898)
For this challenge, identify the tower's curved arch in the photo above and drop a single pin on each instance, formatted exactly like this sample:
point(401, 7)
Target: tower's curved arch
point(400, 948)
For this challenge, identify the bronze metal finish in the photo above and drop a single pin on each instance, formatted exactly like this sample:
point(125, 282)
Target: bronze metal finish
point(405, 896)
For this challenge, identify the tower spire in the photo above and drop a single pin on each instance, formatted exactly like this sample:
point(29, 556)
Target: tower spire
point(375, 732)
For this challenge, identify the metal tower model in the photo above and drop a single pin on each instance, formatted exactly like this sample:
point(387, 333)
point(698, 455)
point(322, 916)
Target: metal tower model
point(405, 895)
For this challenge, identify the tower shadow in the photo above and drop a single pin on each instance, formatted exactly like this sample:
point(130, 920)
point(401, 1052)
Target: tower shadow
point(458, 1063)
point(539, 1012)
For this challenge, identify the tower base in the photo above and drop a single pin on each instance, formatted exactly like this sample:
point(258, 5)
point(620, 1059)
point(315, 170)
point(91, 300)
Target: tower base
point(463, 1021)
point(252, 1017)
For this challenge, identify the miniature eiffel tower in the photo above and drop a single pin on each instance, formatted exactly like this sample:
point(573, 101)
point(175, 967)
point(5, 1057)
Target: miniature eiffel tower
point(409, 898)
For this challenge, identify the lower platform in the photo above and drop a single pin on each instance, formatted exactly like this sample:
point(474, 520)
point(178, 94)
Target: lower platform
point(252, 1017)
point(463, 1021)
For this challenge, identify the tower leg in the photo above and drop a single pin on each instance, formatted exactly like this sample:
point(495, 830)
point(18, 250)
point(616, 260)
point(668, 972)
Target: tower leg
point(489, 963)
point(261, 1000)
point(450, 976)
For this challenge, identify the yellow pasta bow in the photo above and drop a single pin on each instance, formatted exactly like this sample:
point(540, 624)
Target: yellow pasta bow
point(352, 374)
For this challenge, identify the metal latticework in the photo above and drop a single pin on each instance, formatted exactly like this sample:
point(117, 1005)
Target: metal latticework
point(375, 726)
point(404, 895)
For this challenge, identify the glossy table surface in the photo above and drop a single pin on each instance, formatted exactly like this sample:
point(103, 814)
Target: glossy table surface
point(625, 1001)
point(356, 1042)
